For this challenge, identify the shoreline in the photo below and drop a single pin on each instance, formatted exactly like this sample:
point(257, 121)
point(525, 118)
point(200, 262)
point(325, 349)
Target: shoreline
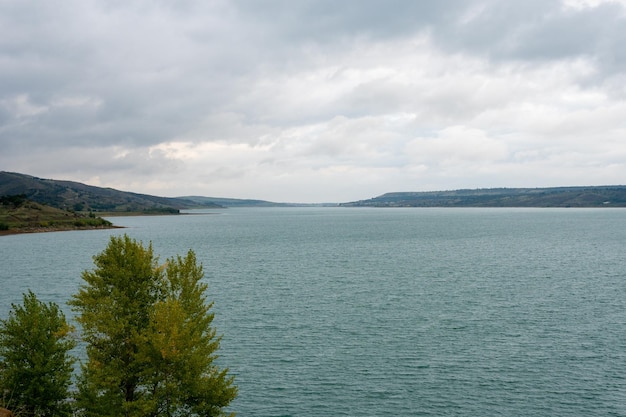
point(26, 230)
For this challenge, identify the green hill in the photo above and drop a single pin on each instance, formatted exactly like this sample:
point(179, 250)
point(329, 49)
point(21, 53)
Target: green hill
point(20, 215)
point(75, 196)
point(593, 196)
point(235, 202)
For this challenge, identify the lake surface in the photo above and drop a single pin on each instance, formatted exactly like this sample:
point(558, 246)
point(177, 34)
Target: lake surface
point(389, 312)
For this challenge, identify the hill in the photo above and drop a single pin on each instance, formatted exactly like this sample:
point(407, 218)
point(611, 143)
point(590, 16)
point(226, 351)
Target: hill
point(235, 202)
point(20, 215)
point(594, 196)
point(75, 196)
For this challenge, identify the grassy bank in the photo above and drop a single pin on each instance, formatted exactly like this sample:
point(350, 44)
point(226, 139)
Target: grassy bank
point(19, 215)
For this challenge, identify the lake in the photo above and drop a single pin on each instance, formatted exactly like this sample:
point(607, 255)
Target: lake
point(395, 312)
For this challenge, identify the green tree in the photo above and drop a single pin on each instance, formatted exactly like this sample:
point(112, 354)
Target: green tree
point(150, 342)
point(114, 306)
point(181, 346)
point(35, 365)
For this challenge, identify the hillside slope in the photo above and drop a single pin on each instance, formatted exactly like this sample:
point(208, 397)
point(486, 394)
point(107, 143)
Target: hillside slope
point(19, 215)
point(69, 195)
point(235, 202)
point(595, 196)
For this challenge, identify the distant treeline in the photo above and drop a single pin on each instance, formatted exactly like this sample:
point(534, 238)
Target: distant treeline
point(596, 196)
point(13, 200)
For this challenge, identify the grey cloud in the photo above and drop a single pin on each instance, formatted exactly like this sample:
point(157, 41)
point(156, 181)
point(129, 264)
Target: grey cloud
point(103, 162)
point(147, 93)
point(189, 70)
point(328, 20)
point(88, 74)
point(542, 30)
point(517, 30)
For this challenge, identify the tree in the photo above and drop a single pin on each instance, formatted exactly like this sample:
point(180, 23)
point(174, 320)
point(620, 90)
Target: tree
point(35, 365)
point(113, 306)
point(150, 342)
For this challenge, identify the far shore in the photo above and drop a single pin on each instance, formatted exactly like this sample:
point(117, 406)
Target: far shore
point(24, 230)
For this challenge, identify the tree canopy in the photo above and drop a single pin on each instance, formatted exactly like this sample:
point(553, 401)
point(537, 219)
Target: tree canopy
point(35, 365)
point(151, 346)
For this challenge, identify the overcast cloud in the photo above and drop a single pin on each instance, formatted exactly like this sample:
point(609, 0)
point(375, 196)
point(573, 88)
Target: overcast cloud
point(314, 101)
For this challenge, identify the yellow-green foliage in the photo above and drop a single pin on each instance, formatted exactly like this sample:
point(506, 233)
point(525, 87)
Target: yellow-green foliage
point(35, 367)
point(150, 342)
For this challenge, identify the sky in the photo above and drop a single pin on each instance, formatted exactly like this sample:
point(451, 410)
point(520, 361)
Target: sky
point(314, 101)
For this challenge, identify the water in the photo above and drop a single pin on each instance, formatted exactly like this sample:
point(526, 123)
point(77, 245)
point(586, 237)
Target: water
point(399, 312)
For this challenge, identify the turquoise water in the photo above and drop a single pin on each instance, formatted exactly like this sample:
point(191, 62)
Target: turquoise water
point(394, 312)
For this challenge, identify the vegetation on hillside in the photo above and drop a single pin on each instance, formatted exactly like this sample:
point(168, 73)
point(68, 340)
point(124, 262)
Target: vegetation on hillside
point(235, 202)
point(19, 215)
point(597, 196)
point(74, 196)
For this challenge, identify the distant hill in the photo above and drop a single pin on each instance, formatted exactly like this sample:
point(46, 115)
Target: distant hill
point(234, 202)
point(20, 215)
point(75, 196)
point(596, 196)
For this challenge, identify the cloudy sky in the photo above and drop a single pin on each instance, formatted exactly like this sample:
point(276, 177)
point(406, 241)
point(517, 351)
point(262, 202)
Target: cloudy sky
point(314, 100)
